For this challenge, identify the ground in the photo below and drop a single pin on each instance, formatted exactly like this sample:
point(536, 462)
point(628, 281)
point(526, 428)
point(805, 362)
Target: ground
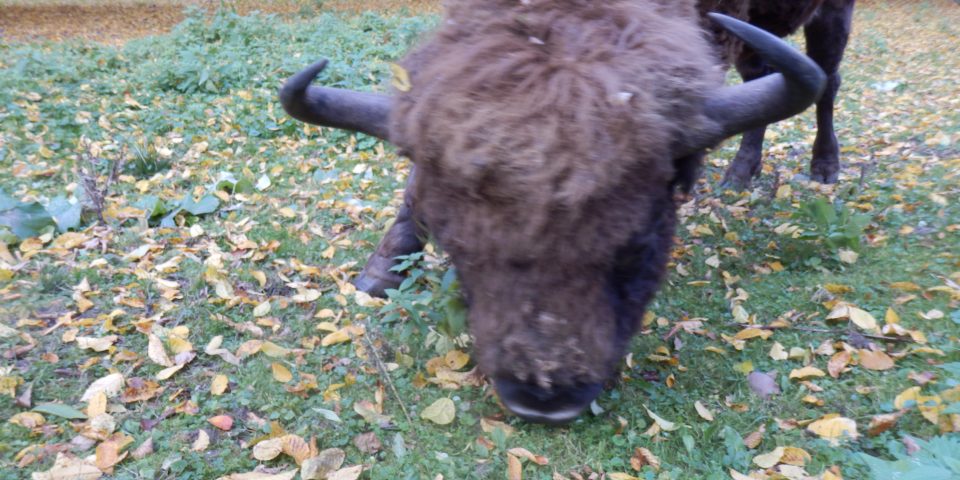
point(175, 256)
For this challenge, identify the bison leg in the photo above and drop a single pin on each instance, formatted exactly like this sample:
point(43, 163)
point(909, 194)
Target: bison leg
point(746, 164)
point(404, 237)
point(827, 36)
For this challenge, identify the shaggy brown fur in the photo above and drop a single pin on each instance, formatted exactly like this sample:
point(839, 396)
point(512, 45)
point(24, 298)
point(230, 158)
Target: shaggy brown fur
point(542, 134)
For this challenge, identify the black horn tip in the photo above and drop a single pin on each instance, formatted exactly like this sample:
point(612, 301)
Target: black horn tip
point(293, 90)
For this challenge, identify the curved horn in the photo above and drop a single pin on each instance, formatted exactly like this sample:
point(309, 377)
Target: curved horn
point(335, 107)
point(738, 108)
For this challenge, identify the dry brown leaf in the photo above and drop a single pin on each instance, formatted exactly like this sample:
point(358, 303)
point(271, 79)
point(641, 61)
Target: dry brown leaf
point(110, 385)
point(769, 459)
point(882, 423)
point(69, 468)
point(156, 352)
point(349, 473)
point(524, 453)
point(514, 468)
point(754, 439)
point(875, 360)
point(144, 450)
point(642, 457)
point(295, 447)
point(319, 467)
point(838, 362)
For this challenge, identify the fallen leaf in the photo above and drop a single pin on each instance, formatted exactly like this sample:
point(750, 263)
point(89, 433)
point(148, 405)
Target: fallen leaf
point(875, 360)
point(703, 411)
point(144, 450)
point(753, 439)
point(777, 352)
point(69, 468)
point(643, 457)
point(834, 428)
point(110, 385)
point(269, 449)
point(763, 384)
point(281, 373)
point(288, 475)
point(524, 453)
point(838, 362)
point(156, 352)
point(441, 412)
point(218, 385)
point(223, 422)
point(295, 447)
point(806, 372)
point(514, 468)
point(882, 423)
point(664, 425)
point(367, 442)
point(769, 459)
point(349, 473)
point(28, 419)
point(319, 467)
point(202, 441)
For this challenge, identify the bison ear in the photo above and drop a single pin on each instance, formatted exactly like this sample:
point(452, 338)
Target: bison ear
point(687, 171)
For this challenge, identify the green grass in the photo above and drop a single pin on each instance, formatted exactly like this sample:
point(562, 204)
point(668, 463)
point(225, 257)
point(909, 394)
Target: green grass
point(215, 84)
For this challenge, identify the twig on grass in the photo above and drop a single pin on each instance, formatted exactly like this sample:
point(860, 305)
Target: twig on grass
point(826, 330)
point(386, 377)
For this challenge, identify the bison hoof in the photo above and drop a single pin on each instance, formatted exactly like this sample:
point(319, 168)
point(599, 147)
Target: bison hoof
point(736, 182)
point(376, 278)
point(823, 175)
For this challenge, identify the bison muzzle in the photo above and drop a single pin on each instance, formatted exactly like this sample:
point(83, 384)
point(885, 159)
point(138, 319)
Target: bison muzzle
point(549, 138)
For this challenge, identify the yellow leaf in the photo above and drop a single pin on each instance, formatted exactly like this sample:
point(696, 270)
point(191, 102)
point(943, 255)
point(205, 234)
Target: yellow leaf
point(320, 466)
point(834, 428)
point(524, 453)
point(202, 441)
point(735, 475)
point(281, 373)
point(704, 413)
point(795, 456)
point(455, 359)
point(260, 276)
point(288, 475)
point(891, 317)
point(218, 385)
point(69, 468)
point(271, 349)
point(96, 344)
point(168, 372)
point(295, 447)
point(744, 367)
point(269, 449)
point(345, 334)
point(875, 360)
point(664, 425)
point(97, 405)
point(156, 351)
point(489, 425)
point(441, 412)
point(806, 372)
point(401, 79)
point(847, 256)
point(863, 319)
point(619, 476)
point(749, 333)
point(250, 347)
point(28, 419)
point(777, 352)
point(262, 309)
point(179, 345)
point(769, 459)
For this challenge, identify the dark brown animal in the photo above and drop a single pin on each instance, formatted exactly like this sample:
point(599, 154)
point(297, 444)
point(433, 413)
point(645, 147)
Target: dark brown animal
point(549, 138)
point(826, 26)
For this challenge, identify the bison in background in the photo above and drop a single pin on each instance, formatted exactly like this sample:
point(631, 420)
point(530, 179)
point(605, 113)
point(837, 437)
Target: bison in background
point(826, 26)
point(549, 138)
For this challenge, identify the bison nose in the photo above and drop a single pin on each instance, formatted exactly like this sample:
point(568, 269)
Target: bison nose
point(554, 406)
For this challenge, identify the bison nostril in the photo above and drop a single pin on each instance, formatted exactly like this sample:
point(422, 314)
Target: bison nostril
point(553, 406)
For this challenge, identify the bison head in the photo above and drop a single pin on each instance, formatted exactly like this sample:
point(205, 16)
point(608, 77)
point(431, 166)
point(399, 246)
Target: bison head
point(548, 140)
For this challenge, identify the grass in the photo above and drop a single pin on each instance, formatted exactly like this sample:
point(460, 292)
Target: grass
point(200, 102)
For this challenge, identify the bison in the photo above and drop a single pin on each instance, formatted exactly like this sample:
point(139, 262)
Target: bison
point(549, 138)
point(826, 26)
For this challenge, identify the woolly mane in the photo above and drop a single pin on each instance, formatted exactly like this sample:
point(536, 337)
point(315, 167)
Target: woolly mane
point(542, 131)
